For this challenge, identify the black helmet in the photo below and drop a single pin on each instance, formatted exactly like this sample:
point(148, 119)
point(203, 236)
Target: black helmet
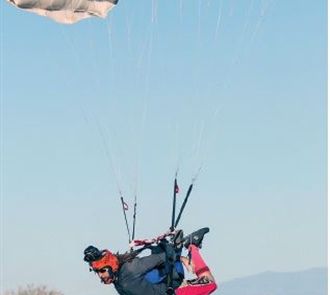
point(91, 254)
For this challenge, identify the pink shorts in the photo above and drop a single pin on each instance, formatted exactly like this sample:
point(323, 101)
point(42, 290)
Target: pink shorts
point(204, 289)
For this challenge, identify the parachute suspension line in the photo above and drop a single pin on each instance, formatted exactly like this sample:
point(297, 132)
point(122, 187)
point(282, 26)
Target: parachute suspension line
point(134, 187)
point(138, 138)
point(263, 11)
point(145, 55)
point(175, 186)
point(175, 223)
point(111, 159)
point(150, 48)
point(125, 208)
point(138, 158)
point(134, 217)
point(196, 174)
point(138, 152)
point(128, 25)
point(239, 41)
point(175, 220)
point(95, 73)
point(211, 139)
point(180, 11)
point(175, 192)
point(68, 78)
point(67, 39)
point(154, 16)
point(201, 154)
point(184, 204)
point(194, 177)
point(244, 30)
point(217, 30)
point(176, 154)
point(109, 156)
point(112, 71)
point(197, 148)
point(266, 5)
point(231, 8)
point(170, 289)
point(199, 18)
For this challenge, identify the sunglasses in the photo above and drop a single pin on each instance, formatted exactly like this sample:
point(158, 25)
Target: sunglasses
point(102, 270)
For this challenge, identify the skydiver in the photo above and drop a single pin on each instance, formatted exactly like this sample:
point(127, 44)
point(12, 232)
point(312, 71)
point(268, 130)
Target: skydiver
point(131, 274)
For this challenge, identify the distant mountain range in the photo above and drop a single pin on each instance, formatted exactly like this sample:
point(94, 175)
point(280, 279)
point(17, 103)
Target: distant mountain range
point(309, 282)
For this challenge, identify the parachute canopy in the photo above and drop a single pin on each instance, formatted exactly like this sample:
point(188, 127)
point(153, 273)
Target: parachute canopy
point(67, 11)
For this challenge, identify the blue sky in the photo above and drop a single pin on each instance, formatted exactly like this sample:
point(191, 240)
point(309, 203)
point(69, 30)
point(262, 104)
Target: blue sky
point(236, 90)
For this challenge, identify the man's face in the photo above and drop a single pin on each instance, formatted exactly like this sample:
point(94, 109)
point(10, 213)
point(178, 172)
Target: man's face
point(104, 275)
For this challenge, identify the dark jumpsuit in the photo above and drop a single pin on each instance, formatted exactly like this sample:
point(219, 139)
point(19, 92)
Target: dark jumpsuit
point(131, 280)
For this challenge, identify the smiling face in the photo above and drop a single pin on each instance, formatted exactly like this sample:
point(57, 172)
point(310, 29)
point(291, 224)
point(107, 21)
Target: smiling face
point(105, 274)
point(106, 266)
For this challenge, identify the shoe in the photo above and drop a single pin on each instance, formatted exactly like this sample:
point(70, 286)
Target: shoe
point(200, 281)
point(195, 238)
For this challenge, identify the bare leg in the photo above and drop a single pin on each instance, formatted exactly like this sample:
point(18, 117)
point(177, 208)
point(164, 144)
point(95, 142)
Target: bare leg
point(199, 266)
point(205, 283)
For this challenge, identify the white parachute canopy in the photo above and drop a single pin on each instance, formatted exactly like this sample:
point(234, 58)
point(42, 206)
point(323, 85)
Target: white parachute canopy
point(67, 11)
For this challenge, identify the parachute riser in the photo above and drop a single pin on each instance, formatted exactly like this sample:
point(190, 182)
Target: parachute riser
point(183, 205)
point(175, 191)
point(134, 221)
point(124, 207)
point(174, 224)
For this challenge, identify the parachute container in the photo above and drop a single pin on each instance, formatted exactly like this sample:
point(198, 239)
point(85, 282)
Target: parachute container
point(67, 11)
